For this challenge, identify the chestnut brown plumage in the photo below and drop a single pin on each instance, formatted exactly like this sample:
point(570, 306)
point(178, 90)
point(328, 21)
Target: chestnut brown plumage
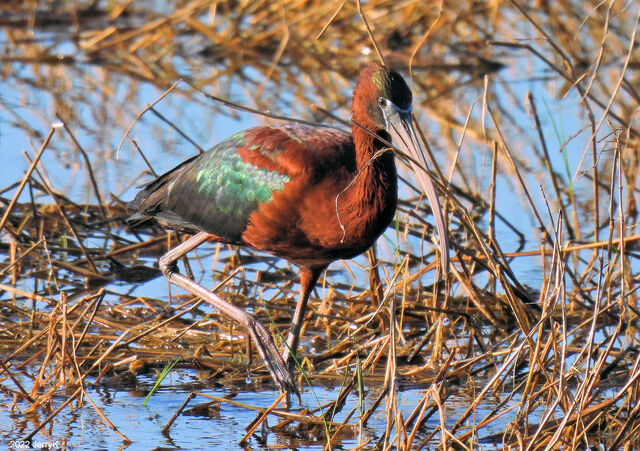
point(311, 195)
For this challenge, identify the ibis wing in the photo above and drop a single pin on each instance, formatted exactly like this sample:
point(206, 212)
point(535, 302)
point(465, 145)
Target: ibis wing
point(217, 191)
point(149, 202)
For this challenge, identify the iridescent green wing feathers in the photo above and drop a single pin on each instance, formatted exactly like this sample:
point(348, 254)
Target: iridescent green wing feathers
point(215, 192)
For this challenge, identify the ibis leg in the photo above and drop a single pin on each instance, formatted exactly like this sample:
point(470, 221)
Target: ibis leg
point(308, 279)
point(264, 342)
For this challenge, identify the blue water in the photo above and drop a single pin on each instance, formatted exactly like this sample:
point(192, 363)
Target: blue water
point(221, 426)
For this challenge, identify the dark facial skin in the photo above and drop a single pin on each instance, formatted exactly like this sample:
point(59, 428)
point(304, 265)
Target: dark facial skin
point(391, 86)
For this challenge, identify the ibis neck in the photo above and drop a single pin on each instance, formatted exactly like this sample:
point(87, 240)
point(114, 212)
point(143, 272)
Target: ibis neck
point(367, 146)
point(368, 204)
point(375, 187)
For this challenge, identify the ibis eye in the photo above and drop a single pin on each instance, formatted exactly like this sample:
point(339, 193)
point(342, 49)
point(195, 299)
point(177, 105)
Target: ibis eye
point(382, 102)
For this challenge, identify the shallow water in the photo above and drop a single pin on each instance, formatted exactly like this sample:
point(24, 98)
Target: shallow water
point(222, 425)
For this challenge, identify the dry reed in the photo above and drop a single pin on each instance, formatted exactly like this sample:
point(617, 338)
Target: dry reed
point(558, 362)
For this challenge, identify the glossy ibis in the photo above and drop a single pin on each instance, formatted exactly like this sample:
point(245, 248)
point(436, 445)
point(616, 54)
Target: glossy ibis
point(311, 195)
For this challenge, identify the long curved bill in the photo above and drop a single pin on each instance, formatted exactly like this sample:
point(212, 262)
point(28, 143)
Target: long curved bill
point(404, 136)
